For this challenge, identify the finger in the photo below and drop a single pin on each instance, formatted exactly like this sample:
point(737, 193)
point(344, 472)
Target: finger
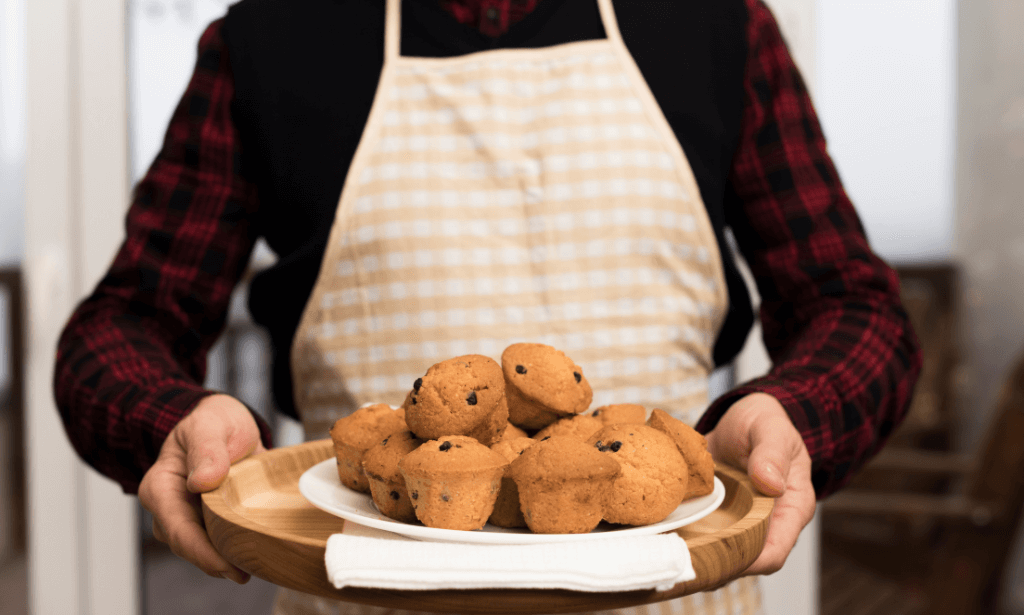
point(768, 467)
point(178, 522)
point(787, 521)
point(208, 460)
point(772, 446)
point(158, 532)
point(215, 441)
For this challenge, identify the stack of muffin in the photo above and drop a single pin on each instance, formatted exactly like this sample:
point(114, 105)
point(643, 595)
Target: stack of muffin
point(458, 453)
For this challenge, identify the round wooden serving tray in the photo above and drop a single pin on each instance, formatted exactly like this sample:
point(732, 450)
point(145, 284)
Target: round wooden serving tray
point(260, 522)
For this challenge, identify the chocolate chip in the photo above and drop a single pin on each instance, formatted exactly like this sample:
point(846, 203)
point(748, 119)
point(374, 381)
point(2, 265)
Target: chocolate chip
point(394, 495)
point(385, 441)
point(577, 376)
point(545, 438)
point(415, 495)
point(596, 412)
point(445, 446)
point(444, 497)
point(414, 401)
point(520, 369)
point(615, 446)
point(416, 385)
point(471, 400)
point(600, 446)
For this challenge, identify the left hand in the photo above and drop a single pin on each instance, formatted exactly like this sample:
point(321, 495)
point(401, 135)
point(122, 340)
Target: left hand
point(757, 435)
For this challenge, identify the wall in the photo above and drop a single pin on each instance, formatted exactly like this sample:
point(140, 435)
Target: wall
point(162, 40)
point(887, 99)
point(990, 238)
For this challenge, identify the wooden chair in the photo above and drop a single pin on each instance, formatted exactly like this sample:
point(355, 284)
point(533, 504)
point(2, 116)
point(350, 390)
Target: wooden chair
point(960, 541)
point(929, 294)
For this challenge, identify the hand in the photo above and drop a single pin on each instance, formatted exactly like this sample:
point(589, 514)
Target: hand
point(757, 435)
point(194, 459)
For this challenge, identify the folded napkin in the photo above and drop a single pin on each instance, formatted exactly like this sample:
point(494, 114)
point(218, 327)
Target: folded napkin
point(367, 557)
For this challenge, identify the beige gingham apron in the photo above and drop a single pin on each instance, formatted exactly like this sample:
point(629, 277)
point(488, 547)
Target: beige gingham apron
point(515, 195)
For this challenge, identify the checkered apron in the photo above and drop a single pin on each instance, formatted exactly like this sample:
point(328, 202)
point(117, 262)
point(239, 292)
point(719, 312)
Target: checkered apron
point(515, 195)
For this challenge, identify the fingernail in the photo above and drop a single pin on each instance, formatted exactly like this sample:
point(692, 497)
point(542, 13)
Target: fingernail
point(202, 464)
point(235, 575)
point(772, 473)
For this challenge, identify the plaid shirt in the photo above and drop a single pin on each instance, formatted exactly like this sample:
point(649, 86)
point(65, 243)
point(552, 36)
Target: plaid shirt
point(845, 358)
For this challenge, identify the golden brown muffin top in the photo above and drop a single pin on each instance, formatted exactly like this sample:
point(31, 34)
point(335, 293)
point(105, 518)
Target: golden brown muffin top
point(580, 427)
point(561, 458)
point(451, 456)
point(546, 376)
point(621, 413)
point(367, 426)
point(688, 440)
point(645, 449)
point(512, 448)
point(381, 460)
point(512, 432)
point(456, 397)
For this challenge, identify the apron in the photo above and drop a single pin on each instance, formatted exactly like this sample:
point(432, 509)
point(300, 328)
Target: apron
point(515, 195)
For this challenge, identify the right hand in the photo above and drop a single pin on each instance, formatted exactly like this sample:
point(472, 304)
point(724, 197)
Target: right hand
point(195, 459)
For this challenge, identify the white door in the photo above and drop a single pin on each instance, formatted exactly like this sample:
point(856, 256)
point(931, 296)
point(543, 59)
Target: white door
point(83, 553)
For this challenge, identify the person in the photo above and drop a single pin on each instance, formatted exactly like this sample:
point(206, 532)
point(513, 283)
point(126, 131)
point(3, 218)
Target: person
point(444, 177)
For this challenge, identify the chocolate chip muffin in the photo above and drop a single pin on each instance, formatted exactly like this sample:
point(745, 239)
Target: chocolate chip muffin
point(542, 385)
point(512, 432)
point(453, 482)
point(507, 512)
point(581, 427)
point(387, 485)
point(634, 414)
point(694, 448)
point(654, 475)
point(354, 434)
point(562, 482)
point(461, 396)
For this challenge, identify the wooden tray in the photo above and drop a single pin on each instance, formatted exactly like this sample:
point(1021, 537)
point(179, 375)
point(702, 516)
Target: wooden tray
point(261, 523)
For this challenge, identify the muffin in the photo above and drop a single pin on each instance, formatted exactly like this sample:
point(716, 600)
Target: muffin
point(634, 414)
point(507, 512)
point(387, 485)
point(512, 432)
point(562, 482)
point(453, 482)
point(542, 385)
point(355, 433)
point(693, 447)
point(653, 479)
point(580, 427)
point(464, 396)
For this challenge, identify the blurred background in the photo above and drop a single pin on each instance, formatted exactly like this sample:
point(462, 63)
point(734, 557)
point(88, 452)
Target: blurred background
point(922, 102)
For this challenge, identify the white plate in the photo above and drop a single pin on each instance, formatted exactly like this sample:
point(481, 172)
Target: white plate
point(321, 486)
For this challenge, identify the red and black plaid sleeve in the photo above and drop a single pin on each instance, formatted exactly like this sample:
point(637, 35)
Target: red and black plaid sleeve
point(845, 358)
point(133, 355)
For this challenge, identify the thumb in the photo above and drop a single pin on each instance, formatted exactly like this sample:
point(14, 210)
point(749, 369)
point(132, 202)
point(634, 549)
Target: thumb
point(770, 457)
point(208, 461)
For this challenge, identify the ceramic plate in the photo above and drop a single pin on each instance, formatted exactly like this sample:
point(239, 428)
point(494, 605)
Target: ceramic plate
point(321, 486)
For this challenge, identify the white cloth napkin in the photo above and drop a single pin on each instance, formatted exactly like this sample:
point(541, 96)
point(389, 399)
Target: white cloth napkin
point(367, 557)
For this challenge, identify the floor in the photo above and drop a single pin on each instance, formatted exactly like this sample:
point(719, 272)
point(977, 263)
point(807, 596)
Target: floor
point(13, 587)
point(847, 589)
point(175, 587)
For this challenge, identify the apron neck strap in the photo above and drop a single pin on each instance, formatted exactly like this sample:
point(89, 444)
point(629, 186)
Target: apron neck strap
point(611, 24)
point(392, 31)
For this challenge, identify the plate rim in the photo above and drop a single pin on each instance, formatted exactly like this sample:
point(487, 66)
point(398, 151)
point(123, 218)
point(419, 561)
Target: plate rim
point(421, 532)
